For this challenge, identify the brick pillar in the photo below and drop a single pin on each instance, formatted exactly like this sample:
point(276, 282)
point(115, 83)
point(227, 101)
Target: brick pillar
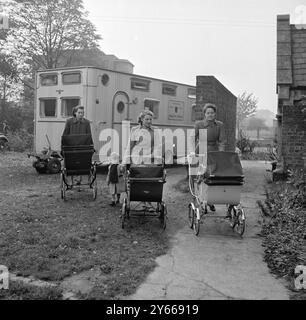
point(294, 135)
point(210, 90)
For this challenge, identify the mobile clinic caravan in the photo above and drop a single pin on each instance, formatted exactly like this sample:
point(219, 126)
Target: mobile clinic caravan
point(113, 98)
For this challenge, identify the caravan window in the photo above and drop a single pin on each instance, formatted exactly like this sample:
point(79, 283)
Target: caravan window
point(196, 113)
point(140, 84)
point(47, 107)
point(48, 79)
point(71, 77)
point(191, 93)
point(68, 104)
point(169, 89)
point(120, 107)
point(152, 105)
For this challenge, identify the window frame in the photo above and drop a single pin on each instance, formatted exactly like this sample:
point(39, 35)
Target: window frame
point(48, 74)
point(194, 113)
point(117, 105)
point(71, 83)
point(67, 98)
point(156, 114)
point(40, 106)
point(144, 81)
point(171, 86)
point(105, 79)
point(191, 96)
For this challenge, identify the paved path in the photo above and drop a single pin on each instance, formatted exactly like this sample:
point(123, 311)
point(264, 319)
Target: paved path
point(217, 264)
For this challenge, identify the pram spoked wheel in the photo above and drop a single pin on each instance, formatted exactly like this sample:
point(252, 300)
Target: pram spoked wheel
point(237, 219)
point(63, 187)
point(163, 215)
point(124, 212)
point(191, 210)
point(196, 221)
point(194, 218)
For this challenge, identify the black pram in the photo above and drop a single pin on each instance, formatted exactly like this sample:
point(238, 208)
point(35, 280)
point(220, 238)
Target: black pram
point(77, 151)
point(221, 183)
point(145, 184)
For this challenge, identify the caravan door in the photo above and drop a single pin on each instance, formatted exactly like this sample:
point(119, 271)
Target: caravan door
point(120, 108)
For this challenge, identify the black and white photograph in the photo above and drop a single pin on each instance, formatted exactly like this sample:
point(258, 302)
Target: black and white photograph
point(152, 153)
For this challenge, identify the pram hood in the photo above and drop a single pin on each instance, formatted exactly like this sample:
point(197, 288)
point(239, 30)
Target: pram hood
point(223, 165)
point(154, 171)
point(72, 140)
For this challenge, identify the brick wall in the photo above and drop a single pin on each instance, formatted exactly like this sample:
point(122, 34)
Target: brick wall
point(298, 47)
point(294, 135)
point(291, 87)
point(209, 89)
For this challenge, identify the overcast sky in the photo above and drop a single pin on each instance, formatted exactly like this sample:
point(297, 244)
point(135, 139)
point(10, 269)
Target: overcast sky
point(176, 40)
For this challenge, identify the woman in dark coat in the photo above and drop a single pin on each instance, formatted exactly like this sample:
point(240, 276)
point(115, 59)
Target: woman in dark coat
point(77, 124)
point(216, 138)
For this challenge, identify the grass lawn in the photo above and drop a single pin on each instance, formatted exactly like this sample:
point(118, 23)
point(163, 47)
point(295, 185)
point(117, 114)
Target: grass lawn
point(20, 291)
point(42, 236)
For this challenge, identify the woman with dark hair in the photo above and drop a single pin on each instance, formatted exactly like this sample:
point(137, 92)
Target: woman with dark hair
point(216, 138)
point(77, 124)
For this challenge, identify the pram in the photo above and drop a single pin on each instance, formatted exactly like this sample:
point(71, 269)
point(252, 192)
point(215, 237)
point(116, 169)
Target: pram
point(77, 151)
point(219, 181)
point(145, 184)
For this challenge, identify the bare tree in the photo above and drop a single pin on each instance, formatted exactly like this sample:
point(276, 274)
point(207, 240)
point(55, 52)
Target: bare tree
point(10, 87)
point(246, 107)
point(46, 34)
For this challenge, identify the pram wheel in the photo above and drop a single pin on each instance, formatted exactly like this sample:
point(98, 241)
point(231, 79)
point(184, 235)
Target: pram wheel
point(196, 221)
point(94, 190)
point(163, 216)
point(191, 214)
point(237, 219)
point(63, 187)
point(124, 213)
point(240, 222)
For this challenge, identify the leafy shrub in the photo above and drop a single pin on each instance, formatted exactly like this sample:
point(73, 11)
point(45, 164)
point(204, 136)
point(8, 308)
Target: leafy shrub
point(255, 156)
point(244, 143)
point(20, 140)
point(284, 229)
